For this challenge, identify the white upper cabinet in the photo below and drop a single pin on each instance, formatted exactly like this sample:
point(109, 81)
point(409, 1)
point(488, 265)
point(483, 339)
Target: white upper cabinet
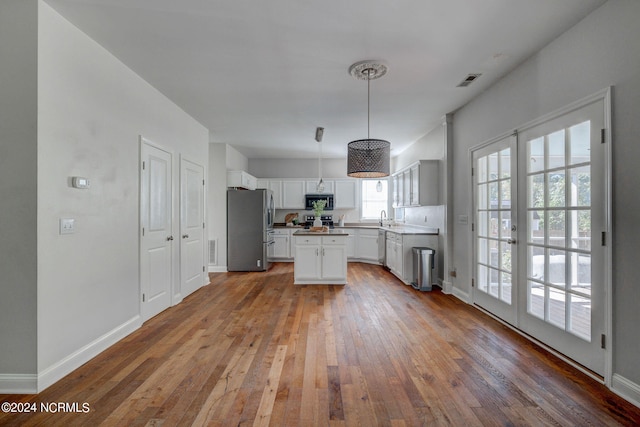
point(417, 185)
point(276, 187)
point(345, 194)
point(293, 194)
point(241, 179)
point(312, 187)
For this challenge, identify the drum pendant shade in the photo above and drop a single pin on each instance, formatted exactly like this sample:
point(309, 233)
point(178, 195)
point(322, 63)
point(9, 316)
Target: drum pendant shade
point(368, 158)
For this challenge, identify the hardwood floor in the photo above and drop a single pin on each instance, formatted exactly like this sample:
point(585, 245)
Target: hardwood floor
point(252, 348)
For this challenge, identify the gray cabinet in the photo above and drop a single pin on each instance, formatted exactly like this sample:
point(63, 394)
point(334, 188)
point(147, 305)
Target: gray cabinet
point(417, 185)
point(399, 256)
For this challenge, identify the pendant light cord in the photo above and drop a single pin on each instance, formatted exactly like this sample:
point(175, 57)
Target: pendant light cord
point(368, 101)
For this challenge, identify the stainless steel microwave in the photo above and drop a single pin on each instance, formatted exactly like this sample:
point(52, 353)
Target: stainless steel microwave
point(310, 198)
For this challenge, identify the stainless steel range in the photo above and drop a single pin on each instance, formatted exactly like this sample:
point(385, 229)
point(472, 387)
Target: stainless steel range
point(327, 220)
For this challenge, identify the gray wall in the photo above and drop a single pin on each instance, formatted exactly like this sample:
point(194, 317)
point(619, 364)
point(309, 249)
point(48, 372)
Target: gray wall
point(600, 51)
point(18, 185)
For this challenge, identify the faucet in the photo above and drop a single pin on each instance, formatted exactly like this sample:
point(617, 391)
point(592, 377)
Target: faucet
point(385, 215)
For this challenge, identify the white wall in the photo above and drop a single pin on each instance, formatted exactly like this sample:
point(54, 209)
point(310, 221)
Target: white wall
point(91, 111)
point(235, 160)
point(18, 189)
point(430, 147)
point(600, 51)
point(297, 168)
point(217, 202)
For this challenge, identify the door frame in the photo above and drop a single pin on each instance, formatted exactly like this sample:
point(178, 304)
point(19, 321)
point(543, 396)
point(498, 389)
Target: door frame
point(605, 95)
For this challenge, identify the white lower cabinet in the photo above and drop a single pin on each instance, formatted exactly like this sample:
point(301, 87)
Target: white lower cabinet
point(281, 246)
point(351, 242)
point(307, 263)
point(367, 245)
point(320, 260)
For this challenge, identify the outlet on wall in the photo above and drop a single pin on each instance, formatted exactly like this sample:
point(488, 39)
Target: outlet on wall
point(67, 225)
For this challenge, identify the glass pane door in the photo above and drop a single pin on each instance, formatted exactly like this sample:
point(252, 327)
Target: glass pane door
point(562, 302)
point(545, 273)
point(494, 226)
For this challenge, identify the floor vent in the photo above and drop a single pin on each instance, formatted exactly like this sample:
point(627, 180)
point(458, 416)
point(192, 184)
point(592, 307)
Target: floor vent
point(213, 252)
point(469, 79)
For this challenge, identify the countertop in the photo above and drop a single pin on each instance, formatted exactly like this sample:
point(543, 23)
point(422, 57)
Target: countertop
point(332, 232)
point(398, 229)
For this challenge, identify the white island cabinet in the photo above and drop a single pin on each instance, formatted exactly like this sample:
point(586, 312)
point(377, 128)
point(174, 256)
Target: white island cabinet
point(320, 258)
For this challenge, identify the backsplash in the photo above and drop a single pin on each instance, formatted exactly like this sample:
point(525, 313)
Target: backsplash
point(434, 216)
point(350, 215)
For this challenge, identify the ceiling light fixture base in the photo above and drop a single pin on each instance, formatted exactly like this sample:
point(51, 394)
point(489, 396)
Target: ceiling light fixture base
point(368, 70)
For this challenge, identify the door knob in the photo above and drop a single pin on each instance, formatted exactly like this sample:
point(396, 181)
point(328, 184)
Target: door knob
point(511, 241)
point(169, 238)
point(185, 236)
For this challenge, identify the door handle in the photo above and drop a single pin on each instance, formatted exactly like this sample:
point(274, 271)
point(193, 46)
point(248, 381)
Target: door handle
point(185, 236)
point(169, 238)
point(511, 241)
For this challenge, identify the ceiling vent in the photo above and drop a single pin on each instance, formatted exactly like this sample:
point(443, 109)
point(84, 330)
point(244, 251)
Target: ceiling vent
point(469, 79)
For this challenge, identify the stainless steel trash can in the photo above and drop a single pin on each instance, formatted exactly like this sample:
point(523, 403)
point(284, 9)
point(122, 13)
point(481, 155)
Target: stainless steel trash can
point(423, 265)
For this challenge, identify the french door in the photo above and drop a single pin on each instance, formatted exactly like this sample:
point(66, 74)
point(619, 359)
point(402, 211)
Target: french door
point(494, 174)
point(539, 231)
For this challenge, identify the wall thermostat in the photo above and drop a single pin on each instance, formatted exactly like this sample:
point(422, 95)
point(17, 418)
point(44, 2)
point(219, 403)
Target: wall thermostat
point(79, 182)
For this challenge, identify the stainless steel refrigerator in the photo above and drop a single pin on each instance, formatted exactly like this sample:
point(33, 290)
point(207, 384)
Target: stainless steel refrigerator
point(250, 216)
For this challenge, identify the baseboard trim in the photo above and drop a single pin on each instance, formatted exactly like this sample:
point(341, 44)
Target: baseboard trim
point(626, 389)
point(447, 287)
point(217, 269)
point(18, 383)
point(65, 366)
point(463, 296)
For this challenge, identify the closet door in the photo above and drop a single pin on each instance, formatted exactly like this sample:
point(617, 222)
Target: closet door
point(156, 240)
point(192, 241)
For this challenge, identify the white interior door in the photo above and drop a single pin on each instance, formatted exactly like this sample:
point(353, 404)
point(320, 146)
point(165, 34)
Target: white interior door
point(495, 219)
point(156, 229)
point(192, 241)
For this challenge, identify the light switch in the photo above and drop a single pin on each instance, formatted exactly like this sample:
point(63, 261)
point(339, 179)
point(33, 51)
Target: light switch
point(67, 225)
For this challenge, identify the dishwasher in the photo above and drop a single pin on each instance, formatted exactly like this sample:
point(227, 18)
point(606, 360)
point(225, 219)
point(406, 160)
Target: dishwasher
point(382, 246)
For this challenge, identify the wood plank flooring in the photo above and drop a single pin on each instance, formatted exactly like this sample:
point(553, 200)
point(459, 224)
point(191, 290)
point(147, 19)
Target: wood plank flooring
point(253, 349)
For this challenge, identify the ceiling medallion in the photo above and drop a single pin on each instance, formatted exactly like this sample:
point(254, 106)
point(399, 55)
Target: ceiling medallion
point(368, 70)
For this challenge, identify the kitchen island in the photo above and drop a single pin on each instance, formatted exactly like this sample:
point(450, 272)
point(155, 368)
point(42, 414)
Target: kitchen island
point(320, 258)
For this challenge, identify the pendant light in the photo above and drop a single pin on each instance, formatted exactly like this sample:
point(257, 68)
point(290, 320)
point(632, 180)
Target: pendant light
point(370, 157)
point(319, 134)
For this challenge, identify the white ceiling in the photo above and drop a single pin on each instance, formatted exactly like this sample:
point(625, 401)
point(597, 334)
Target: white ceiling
point(262, 75)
